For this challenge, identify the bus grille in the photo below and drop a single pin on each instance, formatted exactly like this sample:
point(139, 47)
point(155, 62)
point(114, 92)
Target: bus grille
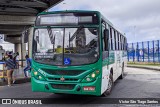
point(66, 79)
point(63, 86)
point(63, 72)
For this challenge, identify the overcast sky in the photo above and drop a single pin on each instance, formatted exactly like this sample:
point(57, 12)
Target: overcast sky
point(138, 19)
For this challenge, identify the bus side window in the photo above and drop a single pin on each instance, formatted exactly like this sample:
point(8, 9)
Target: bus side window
point(118, 40)
point(111, 43)
point(105, 39)
point(122, 42)
point(115, 40)
point(125, 44)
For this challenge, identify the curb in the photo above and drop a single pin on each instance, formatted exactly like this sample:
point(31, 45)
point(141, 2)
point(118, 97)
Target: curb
point(156, 69)
point(18, 81)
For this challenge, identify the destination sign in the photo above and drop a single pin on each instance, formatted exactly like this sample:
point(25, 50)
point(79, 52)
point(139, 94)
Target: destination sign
point(66, 19)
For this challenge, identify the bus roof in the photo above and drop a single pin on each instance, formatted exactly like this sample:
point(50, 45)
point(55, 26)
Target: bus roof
point(68, 11)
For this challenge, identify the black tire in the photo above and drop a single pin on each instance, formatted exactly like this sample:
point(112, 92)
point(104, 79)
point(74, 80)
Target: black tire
point(110, 86)
point(122, 74)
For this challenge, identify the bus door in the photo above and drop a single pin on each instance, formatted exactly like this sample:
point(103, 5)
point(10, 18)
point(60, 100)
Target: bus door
point(118, 63)
point(117, 53)
point(105, 56)
point(112, 53)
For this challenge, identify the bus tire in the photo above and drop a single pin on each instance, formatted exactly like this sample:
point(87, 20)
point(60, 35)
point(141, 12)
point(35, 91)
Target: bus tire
point(122, 74)
point(110, 86)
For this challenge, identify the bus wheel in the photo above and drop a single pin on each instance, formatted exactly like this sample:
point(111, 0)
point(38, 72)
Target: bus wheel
point(110, 86)
point(122, 74)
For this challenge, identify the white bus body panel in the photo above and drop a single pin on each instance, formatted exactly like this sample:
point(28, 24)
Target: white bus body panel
point(105, 78)
point(117, 70)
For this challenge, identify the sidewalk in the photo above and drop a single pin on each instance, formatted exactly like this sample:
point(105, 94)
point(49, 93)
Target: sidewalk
point(157, 68)
point(19, 77)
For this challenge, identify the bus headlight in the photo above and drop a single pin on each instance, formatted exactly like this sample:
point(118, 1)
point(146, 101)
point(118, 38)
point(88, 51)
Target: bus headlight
point(35, 73)
point(91, 77)
point(38, 75)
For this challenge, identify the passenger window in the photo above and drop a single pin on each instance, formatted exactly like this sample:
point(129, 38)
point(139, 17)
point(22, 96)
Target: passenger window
point(103, 38)
point(111, 43)
point(115, 40)
point(121, 42)
point(118, 40)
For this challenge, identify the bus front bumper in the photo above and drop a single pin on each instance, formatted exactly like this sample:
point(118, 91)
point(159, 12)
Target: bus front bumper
point(91, 88)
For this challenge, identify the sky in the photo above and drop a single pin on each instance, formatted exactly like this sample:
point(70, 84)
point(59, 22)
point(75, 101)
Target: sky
point(138, 19)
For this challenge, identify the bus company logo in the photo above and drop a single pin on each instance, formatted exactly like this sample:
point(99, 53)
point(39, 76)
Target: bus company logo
point(62, 78)
point(42, 72)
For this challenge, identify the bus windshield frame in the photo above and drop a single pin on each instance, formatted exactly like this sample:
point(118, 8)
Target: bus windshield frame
point(63, 53)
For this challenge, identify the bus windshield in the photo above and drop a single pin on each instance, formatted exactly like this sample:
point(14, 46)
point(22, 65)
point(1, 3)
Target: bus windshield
point(66, 46)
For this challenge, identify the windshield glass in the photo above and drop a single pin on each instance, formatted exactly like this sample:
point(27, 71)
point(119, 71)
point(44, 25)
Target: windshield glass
point(66, 46)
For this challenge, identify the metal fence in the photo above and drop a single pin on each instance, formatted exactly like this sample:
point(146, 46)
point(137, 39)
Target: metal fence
point(148, 51)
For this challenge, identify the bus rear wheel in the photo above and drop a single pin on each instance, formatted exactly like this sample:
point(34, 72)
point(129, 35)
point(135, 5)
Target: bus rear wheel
point(110, 86)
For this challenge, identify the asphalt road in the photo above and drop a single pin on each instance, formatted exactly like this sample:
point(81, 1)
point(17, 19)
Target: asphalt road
point(138, 83)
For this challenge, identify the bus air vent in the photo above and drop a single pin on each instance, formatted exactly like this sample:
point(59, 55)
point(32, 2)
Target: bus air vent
point(63, 86)
point(64, 72)
point(66, 79)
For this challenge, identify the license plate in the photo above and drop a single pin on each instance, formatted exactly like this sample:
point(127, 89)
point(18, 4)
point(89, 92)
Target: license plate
point(89, 88)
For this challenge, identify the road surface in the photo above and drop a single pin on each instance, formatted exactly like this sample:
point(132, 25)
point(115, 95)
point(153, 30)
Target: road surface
point(137, 83)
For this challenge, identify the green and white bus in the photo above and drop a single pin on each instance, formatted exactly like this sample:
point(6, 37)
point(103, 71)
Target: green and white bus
point(76, 52)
